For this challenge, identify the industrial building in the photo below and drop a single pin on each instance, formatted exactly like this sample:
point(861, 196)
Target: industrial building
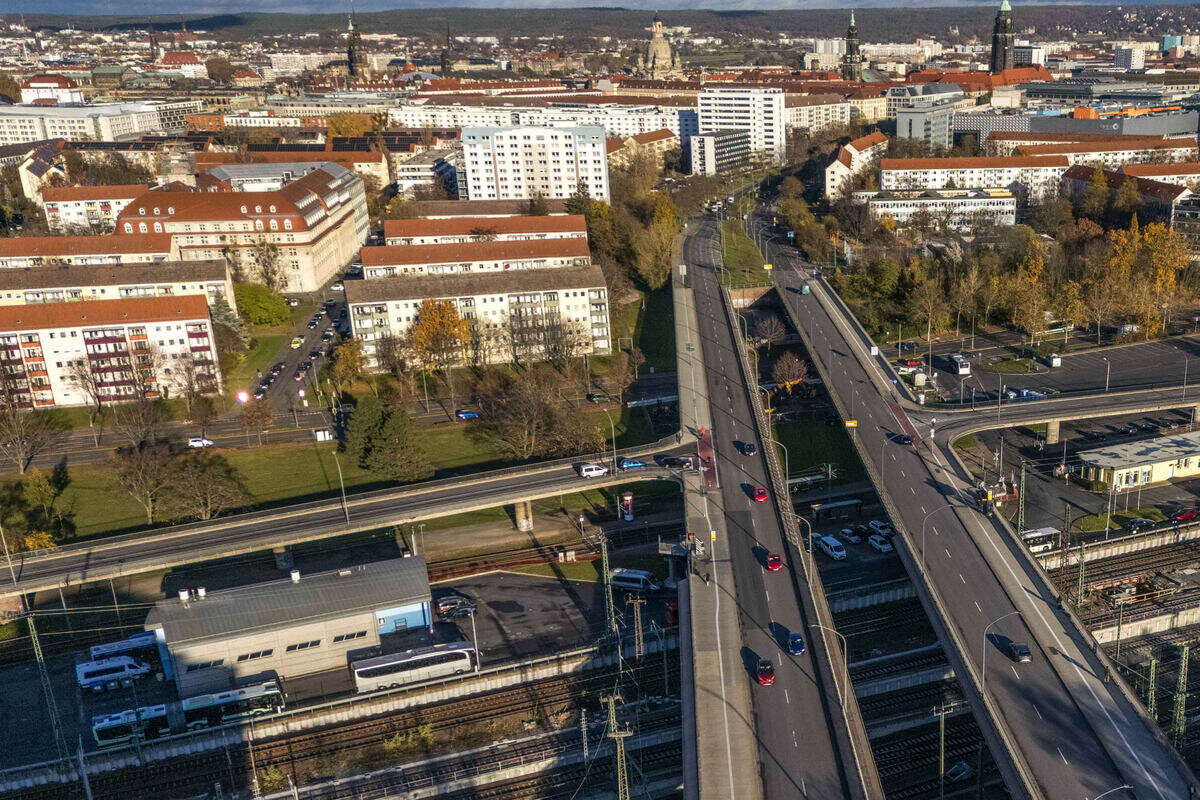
point(1124, 466)
point(287, 628)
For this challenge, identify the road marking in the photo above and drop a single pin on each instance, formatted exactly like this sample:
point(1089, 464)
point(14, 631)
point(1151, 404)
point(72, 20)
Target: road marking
point(767, 594)
point(922, 509)
point(977, 608)
point(1037, 711)
point(1060, 755)
point(961, 578)
point(947, 549)
point(785, 696)
point(914, 491)
point(902, 475)
point(1014, 669)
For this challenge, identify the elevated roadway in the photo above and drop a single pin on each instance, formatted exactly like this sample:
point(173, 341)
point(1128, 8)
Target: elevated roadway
point(1060, 728)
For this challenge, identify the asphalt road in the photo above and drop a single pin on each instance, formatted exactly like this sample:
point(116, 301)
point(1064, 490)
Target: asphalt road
point(800, 730)
point(1078, 734)
point(262, 530)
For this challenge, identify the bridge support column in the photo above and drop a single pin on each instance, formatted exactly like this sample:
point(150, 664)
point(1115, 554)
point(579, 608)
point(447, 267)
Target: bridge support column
point(1052, 432)
point(283, 558)
point(1195, 414)
point(524, 515)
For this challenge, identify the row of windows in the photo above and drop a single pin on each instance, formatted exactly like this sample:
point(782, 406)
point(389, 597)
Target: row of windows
point(291, 648)
point(346, 637)
point(255, 654)
point(206, 665)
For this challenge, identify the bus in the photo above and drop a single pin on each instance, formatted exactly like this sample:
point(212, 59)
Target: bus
point(959, 364)
point(413, 666)
point(144, 645)
point(1042, 545)
point(209, 710)
point(148, 722)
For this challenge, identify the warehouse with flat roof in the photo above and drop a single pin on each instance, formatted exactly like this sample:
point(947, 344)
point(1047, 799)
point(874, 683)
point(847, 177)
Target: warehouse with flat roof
point(1156, 460)
point(287, 628)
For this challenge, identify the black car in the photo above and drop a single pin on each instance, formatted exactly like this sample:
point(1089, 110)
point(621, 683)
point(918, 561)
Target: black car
point(455, 607)
point(278, 368)
point(675, 462)
point(1019, 652)
point(749, 449)
point(908, 347)
point(903, 438)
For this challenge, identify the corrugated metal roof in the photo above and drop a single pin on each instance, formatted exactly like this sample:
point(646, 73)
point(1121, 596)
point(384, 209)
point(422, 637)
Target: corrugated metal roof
point(284, 603)
point(1148, 451)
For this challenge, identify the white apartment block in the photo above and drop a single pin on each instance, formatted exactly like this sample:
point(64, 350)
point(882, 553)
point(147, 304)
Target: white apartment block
point(618, 121)
point(1114, 155)
point(82, 209)
point(852, 159)
point(1183, 173)
point(1128, 58)
point(18, 252)
point(1031, 176)
point(511, 314)
point(458, 230)
point(65, 284)
point(474, 257)
point(317, 222)
point(760, 111)
point(57, 89)
point(817, 112)
point(126, 346)
point(516, 163)
point(290, 64)
point(960, 209)
point(108, 122)
point(719, 151)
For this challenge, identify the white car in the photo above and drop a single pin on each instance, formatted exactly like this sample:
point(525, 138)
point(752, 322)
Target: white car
point(881, 528)
point(590, 470)
point(880, 543)
point(338, 287)
point(831, 547)
point(200, 441)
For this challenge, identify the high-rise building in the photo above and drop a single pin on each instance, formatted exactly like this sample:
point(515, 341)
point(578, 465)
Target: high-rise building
point(761, 111)
point(522, 162)
point(852, 63)
point(1002, 39)
point(1128, 58)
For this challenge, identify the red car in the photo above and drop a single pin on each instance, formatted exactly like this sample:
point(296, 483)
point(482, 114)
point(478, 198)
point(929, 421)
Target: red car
point(911, 362)
point(774, 562)
point(1187, 515)
point(760, 494)
point(764, 673)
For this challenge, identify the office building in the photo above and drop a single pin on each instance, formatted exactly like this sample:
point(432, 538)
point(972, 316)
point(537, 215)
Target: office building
point(126, 347)
point(288, 628)
point(719, 151)
point(851, 160)
point(458, 230)
point(1136, 464)
point(516, 163)
point(36, 251)
point(760, 111)
point(960, 209)
point(917, 94)
point(931, 123)
point(84, 209)
point(67, 283)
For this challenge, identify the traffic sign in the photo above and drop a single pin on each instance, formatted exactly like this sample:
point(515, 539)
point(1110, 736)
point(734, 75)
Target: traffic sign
point(767, 267)
point(851, 423)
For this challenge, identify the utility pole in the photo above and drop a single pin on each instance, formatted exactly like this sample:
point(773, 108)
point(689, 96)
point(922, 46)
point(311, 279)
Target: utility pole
point(1179, 719)
point(940, 712)
point(51, 706)
point(639, 643)
point(1152, 690)
point(618, 737)
point(583, 731)
point(1021, 501)
point(610, 611)
point(1079, 588)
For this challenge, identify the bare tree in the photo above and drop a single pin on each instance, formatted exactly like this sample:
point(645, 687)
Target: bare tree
point(206, 486)
point(137, 419)
point(89, 381)
point(770, 331)
point(789, 371)
point(188, 379)
point(270, 264)
point(560, 339)
point(24, 431)
point(145, 473)
point(257, 416)
point(389, 354)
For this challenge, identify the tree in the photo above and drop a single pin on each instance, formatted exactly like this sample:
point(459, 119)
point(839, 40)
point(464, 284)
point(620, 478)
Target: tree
point(189, 381)
point(439, 334)
point(270, 265)
point(203, 412)
point(928, 304)
point(41, 495)
point(770, 331)
point(537, 205)
point(395, 453)
point(482, 233)
point(518, 415)
point(350, 124)
point(138, 418)
point(257, 416)
point(365, 424)
point(964, 294)
point(88, 381)
point(347, 364)
point(791, 187)
point(24, 431)
point(261, 305)
point(789, 371)
point(389, 354)
point(10, 88)
point(219, 70)
point(145, 473)
point(205, 486)
point(1129, 199)
point(1095, 196)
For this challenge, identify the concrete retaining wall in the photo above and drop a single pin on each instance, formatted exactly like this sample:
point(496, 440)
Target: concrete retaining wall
point(904, 680)
point(849, 601)
point(1118, 546)
point(1141, 627)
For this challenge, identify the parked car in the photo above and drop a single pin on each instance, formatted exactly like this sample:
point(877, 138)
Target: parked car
point(1129, 429)
point(881, 528)
point(293, 302)
point(831, 547)
point(774, 562)
point(630, 463)
point(315, 354)
point(1019, 652)
point(880, 543)
point(960, 771)
point(277, 368)
point(764, 672)
point(911, 362)
point(760, 494)
point(466, 414)
point(297, 342)
point(313, 323)
point(850, 535)
point(298, 375)
point(1140, 524)
point(200, 441)
point(795, 644)
point(455, 607)
point(1186, 515)
point(338, 286)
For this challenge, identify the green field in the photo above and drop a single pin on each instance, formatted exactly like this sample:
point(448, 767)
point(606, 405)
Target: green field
point(1120, 519)
point(743, 261)
point(810, 445)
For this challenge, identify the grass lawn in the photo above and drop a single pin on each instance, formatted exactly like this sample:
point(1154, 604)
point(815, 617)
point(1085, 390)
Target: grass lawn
point(811, 445)
point(1011, 366)
point(260, 357)
point(590, 570)
point(743, 261)
point(650, 323)
point(966, 442)
point(1120, 519)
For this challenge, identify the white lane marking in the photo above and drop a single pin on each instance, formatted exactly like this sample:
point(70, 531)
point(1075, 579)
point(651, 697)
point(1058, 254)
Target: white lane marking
point(977, 608)
point(1014, 669)
point(922, 509)
point(1038, 712)
point(914, 491)
point(767, 594)
point(1060, 755)
point(785, 696)
point(961, 578)
point(902, 475)
point(947, 549)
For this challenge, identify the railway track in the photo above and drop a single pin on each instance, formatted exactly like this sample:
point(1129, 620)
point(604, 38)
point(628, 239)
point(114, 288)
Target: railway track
point(1128, 566)
point(908, 700)
point(899, 665)
point(883, 617)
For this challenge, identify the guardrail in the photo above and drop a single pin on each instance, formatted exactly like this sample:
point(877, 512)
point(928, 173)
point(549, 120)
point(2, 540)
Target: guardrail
point(856, 729)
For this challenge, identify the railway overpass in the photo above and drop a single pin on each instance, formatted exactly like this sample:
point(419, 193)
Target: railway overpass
point(1058, 726)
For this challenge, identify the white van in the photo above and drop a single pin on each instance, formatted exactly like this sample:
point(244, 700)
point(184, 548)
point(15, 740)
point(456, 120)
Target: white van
point(832, 548)
point(637, 580)
point(591, 470)
point(108, 673)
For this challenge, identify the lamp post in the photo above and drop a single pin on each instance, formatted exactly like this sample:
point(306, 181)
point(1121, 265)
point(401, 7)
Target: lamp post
point(613, 430)
point(474, 639)
point(1185, 370)
point(342, 484)
point(927, 516)
point(1114, 789)
point(845, 659)
point(787, 469)
point(983, 676)
point(1107, 372)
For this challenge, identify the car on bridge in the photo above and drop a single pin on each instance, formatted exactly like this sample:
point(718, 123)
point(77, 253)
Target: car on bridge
point(796, 644)
point(774, 562)
point(759, 494)
point(764, 672)
point(625, 464)
point(1184, 515)
point(1019, 652)
point(200, 441)
point(748, 448)
point(592, 470)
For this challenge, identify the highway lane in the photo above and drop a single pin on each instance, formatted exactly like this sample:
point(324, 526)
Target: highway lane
point(1079, 736)
point(176, 545)
point(800, 756)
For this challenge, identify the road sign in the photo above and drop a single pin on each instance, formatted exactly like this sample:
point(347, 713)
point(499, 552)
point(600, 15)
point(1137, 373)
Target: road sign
point(712, 535)
point(767, 267)
point(851, 423)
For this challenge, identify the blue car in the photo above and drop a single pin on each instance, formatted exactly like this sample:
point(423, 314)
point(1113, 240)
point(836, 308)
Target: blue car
point(795, 644)
point(630, 463)
point(464, 413)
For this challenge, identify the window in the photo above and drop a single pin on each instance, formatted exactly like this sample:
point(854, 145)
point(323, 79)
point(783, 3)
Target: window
point(345, 637)
point(254, 655)
point(205, 665)
point(303, 645)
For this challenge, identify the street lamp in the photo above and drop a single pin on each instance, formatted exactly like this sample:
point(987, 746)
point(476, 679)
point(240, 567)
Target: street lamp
point(612, 429)
point(927, 516)
point(342, 483)
point(474, 639)
point(983, 675)
point(1107, 372)
point(787, 469)
point(1114, 789)
point(845, 660)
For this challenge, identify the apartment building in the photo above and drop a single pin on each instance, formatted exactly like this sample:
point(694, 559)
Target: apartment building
point(78, 209)
point(367, 164)
point(431, 170)
point(816, 112)
point(1005, 143)
point(653, 145)
point(931, 123)
point(1180, 173)
point(618, 119)
point(1027, 177)
point(852, 159)
point(719, 151)
point(1112, 155)
point(914, 94)
point(527, 315)
point(66, 283)
point(36, 251)
point(150, 345)
point(760, 111)
point(513, 163)
point(474, 257)
point(960, 209)
point(458, 230)
point(317, 222)
point(106, 122)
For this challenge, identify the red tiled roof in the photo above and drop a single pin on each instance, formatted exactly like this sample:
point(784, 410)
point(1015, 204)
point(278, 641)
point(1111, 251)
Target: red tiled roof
point(178, 58)
point(103, 312)
point(1106, 147)
point(58, 81)
point(343, 157)
point(461, 226)
point(980, 162)
point(473, 251)
point(69, 193)
point(1083, 173)
point(1150, 170)
point(649, 137)
point(52, 246)
point(867, 142)
point(976, 80)
point(1027, 136)
point(612, 145)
